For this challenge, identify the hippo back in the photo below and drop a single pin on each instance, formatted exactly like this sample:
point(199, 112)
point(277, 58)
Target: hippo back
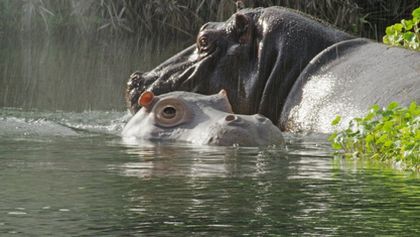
point(346, 79)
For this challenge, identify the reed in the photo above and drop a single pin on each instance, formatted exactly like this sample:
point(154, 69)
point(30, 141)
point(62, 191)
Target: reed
point(163, 20)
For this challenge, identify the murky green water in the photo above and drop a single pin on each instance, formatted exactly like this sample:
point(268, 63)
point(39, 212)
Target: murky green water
point(70, 174)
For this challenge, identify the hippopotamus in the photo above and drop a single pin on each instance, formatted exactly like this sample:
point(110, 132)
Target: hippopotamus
point(294, 69)
point(199, 119)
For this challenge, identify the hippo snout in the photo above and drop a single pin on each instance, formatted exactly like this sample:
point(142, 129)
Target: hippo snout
point(234, 119)
point(135, 87)
point(244, 130)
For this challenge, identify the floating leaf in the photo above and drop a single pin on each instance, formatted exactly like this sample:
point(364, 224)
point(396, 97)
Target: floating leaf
point(398, 27)
point(390, 30)
point(376, 108)
point(412, 107)
point(416, 13)
point(408, 24)
point(392, 105)
point(336, 121)
point(369, 138)
point(386, 40)
point(409, 36)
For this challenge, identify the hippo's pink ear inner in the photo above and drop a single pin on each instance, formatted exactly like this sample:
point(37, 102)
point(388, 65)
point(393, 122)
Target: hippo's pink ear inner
point(223, 92)
point(146, 98)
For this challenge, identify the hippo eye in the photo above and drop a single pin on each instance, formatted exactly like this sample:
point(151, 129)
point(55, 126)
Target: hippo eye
point(171, 112)
point(203, 43)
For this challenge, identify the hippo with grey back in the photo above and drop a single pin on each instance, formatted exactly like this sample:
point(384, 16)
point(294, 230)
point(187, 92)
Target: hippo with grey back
point(292, 68)
point(199, 119)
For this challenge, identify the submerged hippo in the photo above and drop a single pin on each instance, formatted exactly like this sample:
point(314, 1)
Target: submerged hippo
point(200, 119)
point(294, 69)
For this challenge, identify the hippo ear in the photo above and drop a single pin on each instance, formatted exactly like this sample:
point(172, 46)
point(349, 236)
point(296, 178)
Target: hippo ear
point(225, 103)
point(146, 99)
point(239, 5)
point(242, 28)
point(222, 92)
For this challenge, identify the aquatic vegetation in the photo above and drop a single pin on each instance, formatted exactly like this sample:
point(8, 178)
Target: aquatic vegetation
point(405, 34)
point(390, 134)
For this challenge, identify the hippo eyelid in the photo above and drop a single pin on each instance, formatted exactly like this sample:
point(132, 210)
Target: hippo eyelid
point(203, 43)
point(171, 112)
point(206, 41)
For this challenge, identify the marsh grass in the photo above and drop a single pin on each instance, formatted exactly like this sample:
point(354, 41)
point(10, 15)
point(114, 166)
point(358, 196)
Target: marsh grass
point(164, 20)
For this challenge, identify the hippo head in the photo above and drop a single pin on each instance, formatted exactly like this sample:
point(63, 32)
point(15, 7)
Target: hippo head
point(199, 119)
point(221, 56)
point(256, 55)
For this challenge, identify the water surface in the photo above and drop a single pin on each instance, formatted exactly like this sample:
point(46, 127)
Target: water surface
point(70, 174)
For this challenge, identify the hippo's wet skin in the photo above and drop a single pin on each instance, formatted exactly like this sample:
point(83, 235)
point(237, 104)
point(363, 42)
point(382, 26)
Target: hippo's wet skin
point(349, 82)
point(199, 119)
point(259, 55)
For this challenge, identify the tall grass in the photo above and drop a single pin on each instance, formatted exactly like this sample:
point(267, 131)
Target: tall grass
point(366, 18)
point(153, 19)
point(163, 20)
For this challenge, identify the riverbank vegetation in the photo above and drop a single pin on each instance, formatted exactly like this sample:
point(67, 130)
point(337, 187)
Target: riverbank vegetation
point(405, 34)
point(390, 134)
point(166, 20)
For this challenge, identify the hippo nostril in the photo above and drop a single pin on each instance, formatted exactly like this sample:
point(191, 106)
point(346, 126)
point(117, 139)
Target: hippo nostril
point(231, 117)
point(135, 81)
point(260, 118)
point(136, 75)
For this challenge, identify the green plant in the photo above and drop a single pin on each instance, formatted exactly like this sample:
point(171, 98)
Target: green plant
point(390, 134)
point(405, 34)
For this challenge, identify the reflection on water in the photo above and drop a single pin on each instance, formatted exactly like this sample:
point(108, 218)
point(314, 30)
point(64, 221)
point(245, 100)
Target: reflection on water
point(94, 184)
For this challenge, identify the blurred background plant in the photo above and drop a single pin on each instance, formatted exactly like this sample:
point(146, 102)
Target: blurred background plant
point(171, 19)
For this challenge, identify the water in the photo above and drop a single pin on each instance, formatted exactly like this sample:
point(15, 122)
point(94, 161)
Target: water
point(70, 174)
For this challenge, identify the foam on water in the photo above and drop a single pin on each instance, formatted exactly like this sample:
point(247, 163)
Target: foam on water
point(16, 122)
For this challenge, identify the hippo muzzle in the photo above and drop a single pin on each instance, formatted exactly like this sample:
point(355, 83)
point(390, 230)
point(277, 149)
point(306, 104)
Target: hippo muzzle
point(244, 130)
